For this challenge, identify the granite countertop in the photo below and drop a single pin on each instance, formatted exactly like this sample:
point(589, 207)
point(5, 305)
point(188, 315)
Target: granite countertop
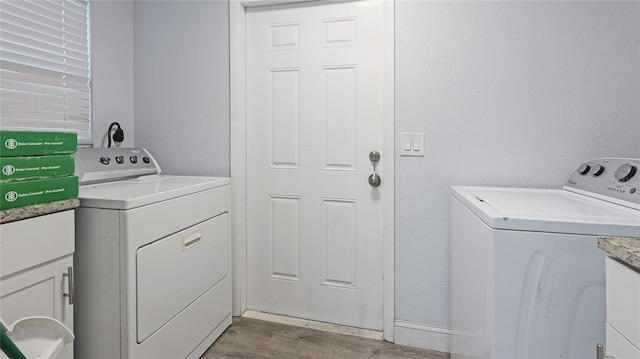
point(16, 214)
point(623, 248)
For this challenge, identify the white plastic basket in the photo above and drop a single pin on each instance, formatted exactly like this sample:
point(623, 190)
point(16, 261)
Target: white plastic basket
point(38, 337)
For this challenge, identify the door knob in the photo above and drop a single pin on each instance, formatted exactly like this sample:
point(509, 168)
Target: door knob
point(374, 180)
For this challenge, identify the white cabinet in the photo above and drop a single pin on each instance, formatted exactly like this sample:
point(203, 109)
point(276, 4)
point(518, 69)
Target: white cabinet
point(623, 310)
point(36, 260)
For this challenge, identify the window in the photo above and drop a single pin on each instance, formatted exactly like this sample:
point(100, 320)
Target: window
point(44, 66)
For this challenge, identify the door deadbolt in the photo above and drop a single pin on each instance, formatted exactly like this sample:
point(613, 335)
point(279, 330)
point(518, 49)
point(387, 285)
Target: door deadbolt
point(374, 156)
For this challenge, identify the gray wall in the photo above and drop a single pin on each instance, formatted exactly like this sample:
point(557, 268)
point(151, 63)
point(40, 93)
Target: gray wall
point(181, 84)
point(112, 69)
point(507, 94)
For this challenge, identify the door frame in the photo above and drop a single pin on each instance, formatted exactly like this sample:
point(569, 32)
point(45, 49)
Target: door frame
point(237, 21)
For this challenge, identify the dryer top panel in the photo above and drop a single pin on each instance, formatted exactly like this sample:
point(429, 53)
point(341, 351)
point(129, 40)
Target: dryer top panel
point(145, 190)
point(548, 210)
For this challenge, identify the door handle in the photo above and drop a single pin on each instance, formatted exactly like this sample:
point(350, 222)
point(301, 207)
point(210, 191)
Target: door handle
point(69, 276)
point(374, 180)
point(191, 240)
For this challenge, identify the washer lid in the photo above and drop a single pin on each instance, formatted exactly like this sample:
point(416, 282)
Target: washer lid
point(548, 210)
point(145, 190)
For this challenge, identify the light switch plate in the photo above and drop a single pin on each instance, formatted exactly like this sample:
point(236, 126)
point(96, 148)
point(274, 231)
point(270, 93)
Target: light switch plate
point(411, 144)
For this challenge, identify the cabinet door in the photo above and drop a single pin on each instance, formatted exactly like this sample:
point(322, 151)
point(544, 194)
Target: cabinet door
point(623, 300)
point(39, 292)
point(619, 347)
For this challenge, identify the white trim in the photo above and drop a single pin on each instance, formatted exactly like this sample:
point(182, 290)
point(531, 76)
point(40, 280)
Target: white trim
point(237, 14)
point(424, 336)
point(238, 156)
point(255, 3)
point(388, 198)
point(327, 327)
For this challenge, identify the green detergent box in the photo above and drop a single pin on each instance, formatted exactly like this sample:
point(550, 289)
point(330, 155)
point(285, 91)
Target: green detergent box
point(33, 143)
point(33, 167)
point(26, 193)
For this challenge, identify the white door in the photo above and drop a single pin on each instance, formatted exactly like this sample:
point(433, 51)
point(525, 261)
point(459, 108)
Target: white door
point(314, 113)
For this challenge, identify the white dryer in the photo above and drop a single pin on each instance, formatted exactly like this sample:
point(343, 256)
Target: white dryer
point(527, 278)
point(152, 260)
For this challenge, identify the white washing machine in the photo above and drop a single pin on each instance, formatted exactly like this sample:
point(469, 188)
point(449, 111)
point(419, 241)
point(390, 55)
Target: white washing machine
point(527, 277)
point(152, 260)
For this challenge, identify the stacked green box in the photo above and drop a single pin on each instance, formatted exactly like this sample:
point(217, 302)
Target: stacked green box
point(36, 143)
point(36, 167)
point(26, 193)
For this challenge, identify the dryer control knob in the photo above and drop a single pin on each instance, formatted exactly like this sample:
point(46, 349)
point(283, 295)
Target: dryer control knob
point(105, 160)
point(597, 170)
point(584, 169)
point(625, 172)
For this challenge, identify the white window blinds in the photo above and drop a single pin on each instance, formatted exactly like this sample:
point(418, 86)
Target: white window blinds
point(44, 66)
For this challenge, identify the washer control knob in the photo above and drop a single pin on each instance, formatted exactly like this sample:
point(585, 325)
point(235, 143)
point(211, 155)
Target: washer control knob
point(597, 170)
point(146, 159)
point(584, 169)
point(120, 159)
point(625, 172)
point(105, 160)
point(133, 159)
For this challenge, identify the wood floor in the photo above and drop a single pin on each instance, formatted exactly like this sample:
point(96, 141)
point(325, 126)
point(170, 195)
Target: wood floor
point(258, 339)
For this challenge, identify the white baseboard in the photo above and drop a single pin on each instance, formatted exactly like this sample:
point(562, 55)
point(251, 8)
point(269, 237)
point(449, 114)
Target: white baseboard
point(423, 336)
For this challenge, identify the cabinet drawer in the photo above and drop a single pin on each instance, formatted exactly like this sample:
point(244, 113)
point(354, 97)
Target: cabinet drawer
point(623, 300)
point(33, 241)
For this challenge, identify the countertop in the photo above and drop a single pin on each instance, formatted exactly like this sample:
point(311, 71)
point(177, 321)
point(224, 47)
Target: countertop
point(623, 248)
point(16, 214)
